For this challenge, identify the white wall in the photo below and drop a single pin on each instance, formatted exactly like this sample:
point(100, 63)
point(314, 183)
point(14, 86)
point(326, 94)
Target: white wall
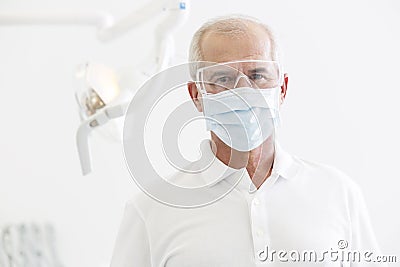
point(342, 106)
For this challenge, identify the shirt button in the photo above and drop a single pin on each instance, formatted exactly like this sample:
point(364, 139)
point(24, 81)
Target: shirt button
point(256, 201)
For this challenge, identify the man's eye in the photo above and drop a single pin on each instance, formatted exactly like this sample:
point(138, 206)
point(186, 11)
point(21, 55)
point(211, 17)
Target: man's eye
point(222, 80)
point(258, 76)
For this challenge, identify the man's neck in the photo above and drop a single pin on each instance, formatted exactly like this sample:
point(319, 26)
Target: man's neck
point(258, 162)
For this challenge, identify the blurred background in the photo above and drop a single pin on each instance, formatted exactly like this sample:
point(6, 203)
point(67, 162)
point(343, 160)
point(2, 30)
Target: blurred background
point(342, 109)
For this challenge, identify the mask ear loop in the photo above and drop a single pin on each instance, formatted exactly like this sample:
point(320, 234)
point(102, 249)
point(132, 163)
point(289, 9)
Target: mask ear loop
point(277, 118)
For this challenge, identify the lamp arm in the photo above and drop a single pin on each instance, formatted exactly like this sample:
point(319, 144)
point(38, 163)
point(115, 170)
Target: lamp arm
point(107, 27)
point(87, 126)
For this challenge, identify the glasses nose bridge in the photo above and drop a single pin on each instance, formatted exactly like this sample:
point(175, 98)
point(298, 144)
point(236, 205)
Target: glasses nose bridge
point(239, 77)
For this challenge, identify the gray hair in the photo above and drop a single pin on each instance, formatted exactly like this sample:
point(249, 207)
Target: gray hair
point(232, 25)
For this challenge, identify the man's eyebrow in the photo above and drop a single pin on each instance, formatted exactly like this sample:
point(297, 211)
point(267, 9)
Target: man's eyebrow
point(262, 69)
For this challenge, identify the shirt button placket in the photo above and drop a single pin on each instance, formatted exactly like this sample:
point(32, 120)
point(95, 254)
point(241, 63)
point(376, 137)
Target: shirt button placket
point(258, 225)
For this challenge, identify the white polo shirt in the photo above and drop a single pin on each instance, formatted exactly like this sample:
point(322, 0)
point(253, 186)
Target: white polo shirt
point(304, 214)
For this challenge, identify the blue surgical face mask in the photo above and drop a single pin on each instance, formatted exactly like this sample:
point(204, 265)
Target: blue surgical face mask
point(243, 118)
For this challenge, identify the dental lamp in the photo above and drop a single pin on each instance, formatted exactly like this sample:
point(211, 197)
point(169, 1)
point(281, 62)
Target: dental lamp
point(101, 99)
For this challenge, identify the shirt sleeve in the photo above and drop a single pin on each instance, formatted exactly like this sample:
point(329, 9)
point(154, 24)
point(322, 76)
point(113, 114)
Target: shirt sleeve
point(132, 245)
point(362, 235)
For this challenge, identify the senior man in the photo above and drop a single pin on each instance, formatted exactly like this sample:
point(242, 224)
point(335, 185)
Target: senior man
point(283, 211)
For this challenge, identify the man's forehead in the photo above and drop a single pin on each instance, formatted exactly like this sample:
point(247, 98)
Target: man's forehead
point(220, 47)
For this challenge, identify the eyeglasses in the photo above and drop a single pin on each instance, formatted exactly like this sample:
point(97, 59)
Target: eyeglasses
point(259, 74)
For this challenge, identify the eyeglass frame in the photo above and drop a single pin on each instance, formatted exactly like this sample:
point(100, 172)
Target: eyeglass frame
point(203, 91)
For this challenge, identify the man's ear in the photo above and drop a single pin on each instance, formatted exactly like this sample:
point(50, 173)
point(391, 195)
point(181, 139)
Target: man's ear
point(194, 94)
point(284, 88)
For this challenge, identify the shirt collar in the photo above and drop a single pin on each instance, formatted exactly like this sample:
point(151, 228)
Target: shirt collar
point(285, 166)
point(216, 170)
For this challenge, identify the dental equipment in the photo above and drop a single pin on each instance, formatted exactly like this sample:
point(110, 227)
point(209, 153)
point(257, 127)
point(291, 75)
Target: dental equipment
point(28, 244)
point(98, 110)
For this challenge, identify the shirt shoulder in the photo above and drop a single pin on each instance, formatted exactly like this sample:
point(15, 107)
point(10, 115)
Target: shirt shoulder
point(141, 203)
point(188, 178)
point(146, 205)
point(326, 175)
